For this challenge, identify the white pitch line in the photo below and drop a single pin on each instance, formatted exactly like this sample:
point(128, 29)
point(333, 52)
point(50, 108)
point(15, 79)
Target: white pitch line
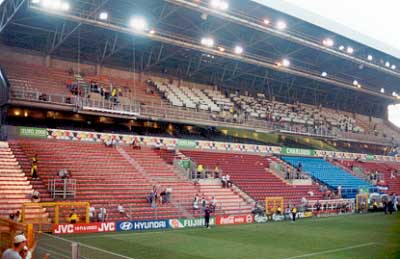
point(331, 251)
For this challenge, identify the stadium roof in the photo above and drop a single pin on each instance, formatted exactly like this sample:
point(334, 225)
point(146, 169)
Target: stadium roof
point(172, 42)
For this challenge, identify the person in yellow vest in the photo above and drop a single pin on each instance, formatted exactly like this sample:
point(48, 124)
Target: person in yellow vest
point(294, 213)
point(375, 206)
point(73, 217)
point(200, 170)
point(279, 210)
point(216, 172)
point(34, 167)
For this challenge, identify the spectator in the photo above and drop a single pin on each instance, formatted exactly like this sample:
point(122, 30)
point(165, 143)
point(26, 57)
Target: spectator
point(92, 214)
point(392, 175)
point(35, 196)
point(279, 210)
point(200, 170)
point(216, 172)
point(228, 181)
point(213, 204)
point(34, 167)
point(17, 216)
point(11, 217)
point(168, 193)
point(162, 196)
point(223, 180)
point(121, 210)
point(135, 144)
point(108, 142)
point(63, 174)
point(203, 202)
point(73, 217)
point(102, 217)
point(25, 253)
point(196, 203)
point(18, 245)
point(294, 213)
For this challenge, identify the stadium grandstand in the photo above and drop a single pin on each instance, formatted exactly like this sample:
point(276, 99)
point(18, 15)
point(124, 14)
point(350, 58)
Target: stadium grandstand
point(120, 117)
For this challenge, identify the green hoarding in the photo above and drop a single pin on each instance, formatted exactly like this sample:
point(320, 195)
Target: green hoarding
point(184, 143)
point(32, 132)
point(297, 151)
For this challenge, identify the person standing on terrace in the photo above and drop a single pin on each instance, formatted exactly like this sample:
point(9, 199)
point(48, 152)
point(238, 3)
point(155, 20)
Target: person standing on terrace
point(34, 167)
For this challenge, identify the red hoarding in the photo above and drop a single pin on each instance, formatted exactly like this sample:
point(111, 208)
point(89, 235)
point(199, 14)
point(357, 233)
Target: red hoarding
point(236, 219)
point(84, 228)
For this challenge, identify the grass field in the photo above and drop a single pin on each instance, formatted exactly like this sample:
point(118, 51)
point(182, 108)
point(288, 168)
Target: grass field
point(356, 236)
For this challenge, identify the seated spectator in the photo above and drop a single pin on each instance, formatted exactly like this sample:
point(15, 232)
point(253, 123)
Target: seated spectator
point(223, 181)
point(108, 142)
point(102, 216)
point(73, 217)
point(135, 144)
point(311, 193)
point(92, 214)
point(121, 210)
point(113, 142)
point(63, 174)
point(228, 181)
point(35, 196)
point(196, 202)
point(213, 204)
point(168, 193)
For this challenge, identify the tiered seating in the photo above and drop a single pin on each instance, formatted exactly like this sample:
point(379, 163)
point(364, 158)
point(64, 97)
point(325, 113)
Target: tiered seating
point(35, 78)
point(15, 188)
point(223, 102)
point(249, 173)
point(384, 169)
point(104, 177)
point(329, 174)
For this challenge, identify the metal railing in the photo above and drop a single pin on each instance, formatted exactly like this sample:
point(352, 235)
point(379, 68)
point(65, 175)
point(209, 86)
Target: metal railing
point(64, 188)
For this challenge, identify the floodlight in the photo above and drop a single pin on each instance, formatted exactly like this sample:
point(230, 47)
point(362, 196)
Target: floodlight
point(387, 64)
point(238, 50)
point(224, 6)
point(383, 90)
point(394, 94)
point(350, 50)
point(393, 67)
point(281, 25)
point(219, 4)
point(152, 31)
point(222, 49)
point(266, 21)
point(328, 42)
point(103, 16)
point(33, 1)
point(209, 42)
point(358, 86)
point(285, 62)
point(370, 58)
point(355, 82)
point(341, 47)
point(324, 74)
point(138, 23)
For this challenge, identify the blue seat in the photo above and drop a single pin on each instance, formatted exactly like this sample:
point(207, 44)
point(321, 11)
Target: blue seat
point(330, 175)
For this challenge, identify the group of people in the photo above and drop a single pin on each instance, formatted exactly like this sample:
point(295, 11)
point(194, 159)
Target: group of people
point(161, 197)
point(19, 249)
point(202, 204)
point(390, 203)
point(16, 216)
point(101, 216)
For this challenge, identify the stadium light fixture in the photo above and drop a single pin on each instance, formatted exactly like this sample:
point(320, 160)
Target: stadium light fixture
point(350, 50)
point(238, 50)
point(281, 25)
point(358, 86)
point(222, 49)
point(324, 74)
point(285, 62)
point(328, 42)
point(138, 23)
point(355, 82)
point(54, 4)
point(370, 57)
point(33, 1)
point(387, 64)
point(266, 21)
point(394, 94)
point(393, 67)
point(152, 31)
point(103, 16)
point(341, 47)
point(219, 4)
point(382, 90)
point(207, 41)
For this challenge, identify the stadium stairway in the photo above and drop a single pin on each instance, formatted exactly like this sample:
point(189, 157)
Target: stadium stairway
point(104, 178)
point(250, 174)
point(393, 184)
point(330, 175)
point(15, 188)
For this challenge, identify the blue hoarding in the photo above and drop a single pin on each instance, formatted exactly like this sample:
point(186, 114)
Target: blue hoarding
point(137, 225)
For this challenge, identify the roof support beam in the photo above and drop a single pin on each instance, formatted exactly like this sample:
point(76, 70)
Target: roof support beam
point(8, 10)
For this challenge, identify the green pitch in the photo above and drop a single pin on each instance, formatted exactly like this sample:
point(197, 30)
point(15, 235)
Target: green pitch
point(357, 236)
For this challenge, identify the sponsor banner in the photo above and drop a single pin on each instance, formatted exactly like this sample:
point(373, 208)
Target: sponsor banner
point(276, 217)
point(237, 219)
point(260, 218)
point(32, 132)
point(84, 228)
point(297, 151)
point(134, 225)
point(370, 157)
point(189, 223)
point(308, 214)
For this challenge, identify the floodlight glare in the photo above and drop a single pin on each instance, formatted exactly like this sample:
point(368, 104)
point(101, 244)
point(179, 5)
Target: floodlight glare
point(209, 42)
point(393, 67)
point(285, 62)
point(65, 6)
point(394, 94)
point(33, 1)
point(281, 25)
point(138, 23)
point(387, 64)
point(358, 86)
point(324, 74)
point(103, 16)
point(222, 49)
point(224, 6)
point(341, 47)
point(355, 82)
point(370, 58)
point(152, 31)
point(266, 21)
point(219, 4)
point(350, 50)
point(382, 90)
point(238, 50)
point(328, 42)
